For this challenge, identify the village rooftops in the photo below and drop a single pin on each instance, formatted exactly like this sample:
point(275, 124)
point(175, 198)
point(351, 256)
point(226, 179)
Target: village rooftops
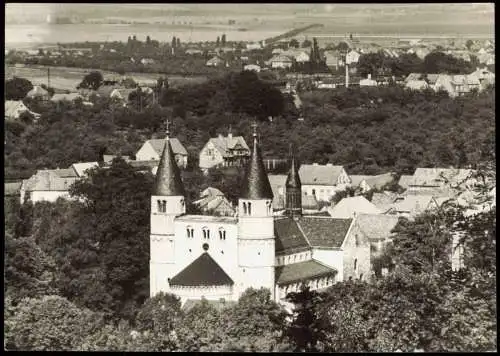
point(159, 144)
point(301, 271)
point(351, 206)
point(311, 174)
point(435, 177)
point(376, 227)
point(48, 180)
point(225, 144)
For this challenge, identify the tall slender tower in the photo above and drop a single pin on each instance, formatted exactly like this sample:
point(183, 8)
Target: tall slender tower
point(256, 244)
point(293, 188)
point(167, 202)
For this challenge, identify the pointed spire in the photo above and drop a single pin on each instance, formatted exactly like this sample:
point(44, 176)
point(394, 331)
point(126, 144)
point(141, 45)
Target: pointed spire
point(168, 178)
point(256, 183)
point(293, 188)
point(293, 179)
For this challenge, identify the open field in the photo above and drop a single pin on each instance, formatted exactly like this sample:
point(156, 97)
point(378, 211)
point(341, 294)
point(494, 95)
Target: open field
point(68, 78)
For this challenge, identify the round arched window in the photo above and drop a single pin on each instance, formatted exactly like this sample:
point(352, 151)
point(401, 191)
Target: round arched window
point(205, 247)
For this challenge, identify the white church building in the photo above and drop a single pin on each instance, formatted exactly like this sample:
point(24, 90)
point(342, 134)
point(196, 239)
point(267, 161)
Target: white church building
point(214, 257)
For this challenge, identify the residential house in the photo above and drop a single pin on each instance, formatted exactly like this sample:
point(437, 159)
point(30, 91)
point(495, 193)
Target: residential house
point(46, 185)
point(411, 206)
point(413, 77)
point(351, 206)
point(152, 149)
point(323, 181)
point(440, 182)
point(368, 82)
point(12, 189)
point(215, 61)
point(484, 76)
point(38, 92)
point(252, 46)
point(277, 51)
point(327, 84)
point(81, 168)
point(252, 67)
point(431, 79)
point(366, 183)
point(15, 108)
point(122, 95)
point(328, 248)
point(213, 202)
point(384, 200)
point(107, 159)
point(463, 84)
point(422, 52)
point(333, 59)
point(224, 151)
point(352, 57)
point(71, 97)
point(147, 61)
point(280, 61)
point(487, 59)
point(193, 51)
point(404, 181)
point(416, 85)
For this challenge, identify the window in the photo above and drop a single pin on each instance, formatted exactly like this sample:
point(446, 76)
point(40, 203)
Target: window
point(182, 203)
point(361, 277)
point(314, 192)
point(190, 231)
point(245, 211)
point(249, 208)
point(206, 233)
point(162, 206)
point(222, 234)
point(355, 265)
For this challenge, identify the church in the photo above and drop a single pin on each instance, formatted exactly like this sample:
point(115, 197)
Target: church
point(219, 257)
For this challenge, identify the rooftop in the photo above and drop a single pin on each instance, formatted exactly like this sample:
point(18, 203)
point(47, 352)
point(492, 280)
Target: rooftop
point(302, 271)
point(203, 271)
point(208, 218)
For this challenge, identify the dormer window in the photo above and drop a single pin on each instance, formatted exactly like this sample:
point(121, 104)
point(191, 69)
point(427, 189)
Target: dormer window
point(206, 233)
point(222, 234)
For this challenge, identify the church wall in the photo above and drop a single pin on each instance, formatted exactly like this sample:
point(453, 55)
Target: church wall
point(255, 277)
point(356, 255)
point(207, 292)
point(287, 259)
point(223, 251)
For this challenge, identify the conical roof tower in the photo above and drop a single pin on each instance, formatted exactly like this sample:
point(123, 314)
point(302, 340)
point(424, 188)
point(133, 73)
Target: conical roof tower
point(293, 187)
point(255, 185)
point(168, 177)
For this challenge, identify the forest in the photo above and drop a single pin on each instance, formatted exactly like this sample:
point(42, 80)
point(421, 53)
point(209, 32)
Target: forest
point(367, 130)
point(76, 278)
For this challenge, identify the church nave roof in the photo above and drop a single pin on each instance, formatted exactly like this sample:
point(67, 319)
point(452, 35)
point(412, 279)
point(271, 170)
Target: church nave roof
point(203, 271)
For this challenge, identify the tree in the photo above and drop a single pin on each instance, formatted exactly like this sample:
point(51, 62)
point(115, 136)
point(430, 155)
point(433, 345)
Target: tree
point(342, 47)
point(178, 44)
point(217, 43)
point(294, 43)
point(17, 88)
point(51, 323)
point(307, 43)
point(93, 80)
point(223, 40)
point(148, 40)
point(469, 44)
point(174, 42)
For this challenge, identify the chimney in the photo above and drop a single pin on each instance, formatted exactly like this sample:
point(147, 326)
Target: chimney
point(369, 76)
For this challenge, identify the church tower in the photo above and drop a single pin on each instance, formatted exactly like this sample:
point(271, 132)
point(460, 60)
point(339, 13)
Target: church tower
point(256, 244)
point(293, 188)
point(167, 202)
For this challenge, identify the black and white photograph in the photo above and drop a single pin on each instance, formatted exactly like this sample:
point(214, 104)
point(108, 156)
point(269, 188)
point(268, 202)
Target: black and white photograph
point(253, 177)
